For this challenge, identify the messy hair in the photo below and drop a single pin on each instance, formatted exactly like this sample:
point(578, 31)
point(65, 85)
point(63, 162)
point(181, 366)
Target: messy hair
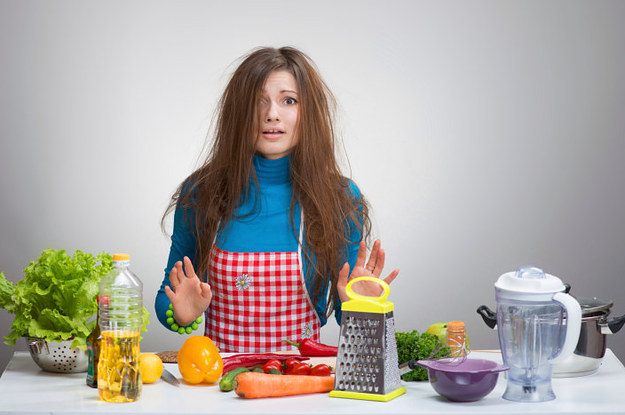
point(227, 176)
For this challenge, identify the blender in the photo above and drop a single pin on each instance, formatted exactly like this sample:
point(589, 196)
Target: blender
point(538, 325)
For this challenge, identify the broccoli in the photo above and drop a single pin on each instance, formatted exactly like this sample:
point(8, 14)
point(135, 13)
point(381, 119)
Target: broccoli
point(419, 347)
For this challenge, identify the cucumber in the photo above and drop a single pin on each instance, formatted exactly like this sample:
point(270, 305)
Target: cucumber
point(225, 384)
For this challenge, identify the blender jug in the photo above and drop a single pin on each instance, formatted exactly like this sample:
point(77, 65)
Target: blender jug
point(532, 332)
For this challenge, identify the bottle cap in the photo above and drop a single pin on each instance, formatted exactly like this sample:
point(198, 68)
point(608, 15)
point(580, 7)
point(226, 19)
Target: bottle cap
point(121, 257)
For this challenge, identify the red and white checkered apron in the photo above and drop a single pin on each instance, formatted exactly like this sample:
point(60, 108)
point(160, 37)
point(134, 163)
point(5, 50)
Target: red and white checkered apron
point(259, 299)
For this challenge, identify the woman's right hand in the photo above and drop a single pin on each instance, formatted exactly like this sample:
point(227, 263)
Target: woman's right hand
point(188, 295)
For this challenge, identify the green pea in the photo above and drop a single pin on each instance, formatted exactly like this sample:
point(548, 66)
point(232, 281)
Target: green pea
point(194, 326)
point(175, 327)
point(181, 330)
point(198, 320)
point(189, 330)
point(170, 320)
point(169, 313)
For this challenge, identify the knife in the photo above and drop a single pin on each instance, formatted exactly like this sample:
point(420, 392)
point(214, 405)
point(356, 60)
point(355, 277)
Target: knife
point(408, 366)
point(168, 377)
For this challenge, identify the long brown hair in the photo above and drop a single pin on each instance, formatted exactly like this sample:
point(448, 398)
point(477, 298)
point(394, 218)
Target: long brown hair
point(227, 175)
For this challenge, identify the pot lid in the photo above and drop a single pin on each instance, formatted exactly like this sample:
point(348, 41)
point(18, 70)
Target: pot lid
point(594, 305)
point(528, 280)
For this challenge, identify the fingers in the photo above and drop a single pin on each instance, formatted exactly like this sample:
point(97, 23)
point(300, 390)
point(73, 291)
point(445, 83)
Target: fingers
point(362, 255)
point(391, 276)
point(342, 282)
point(379, 265)
point(205, 291)
point(188, 267)
point(174, 275)
point(373, 257)
point(344, 274)
point(169, 293)
point(177, 273)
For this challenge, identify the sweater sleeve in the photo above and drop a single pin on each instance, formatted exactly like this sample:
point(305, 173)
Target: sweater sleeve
point(182, 244)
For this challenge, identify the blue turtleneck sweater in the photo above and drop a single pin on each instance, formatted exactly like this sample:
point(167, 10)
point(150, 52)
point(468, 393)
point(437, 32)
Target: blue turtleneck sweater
point(257, 226)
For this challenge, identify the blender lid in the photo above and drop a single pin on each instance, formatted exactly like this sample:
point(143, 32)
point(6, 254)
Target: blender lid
point(529, 279)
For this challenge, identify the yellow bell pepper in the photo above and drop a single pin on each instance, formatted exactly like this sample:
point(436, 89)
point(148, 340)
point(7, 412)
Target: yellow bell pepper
point(199, 360)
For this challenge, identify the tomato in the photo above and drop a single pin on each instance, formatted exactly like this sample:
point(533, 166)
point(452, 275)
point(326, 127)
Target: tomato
point(320, 370)
point(300, 369)
point(272, 364)
point(290, 363)
point(275, 362)
point(199, 360)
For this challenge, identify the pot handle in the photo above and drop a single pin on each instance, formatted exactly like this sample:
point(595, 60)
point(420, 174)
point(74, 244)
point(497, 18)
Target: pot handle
point(573, 325)
point(613, 325)
point(488, 315)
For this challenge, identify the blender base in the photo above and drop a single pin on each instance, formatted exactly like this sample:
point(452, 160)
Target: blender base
point(536, 392)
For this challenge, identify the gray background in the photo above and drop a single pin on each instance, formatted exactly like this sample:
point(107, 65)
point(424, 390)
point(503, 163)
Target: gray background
point(486, 134)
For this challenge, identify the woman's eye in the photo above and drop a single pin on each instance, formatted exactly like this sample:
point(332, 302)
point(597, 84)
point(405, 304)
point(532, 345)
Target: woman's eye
point(290, 101)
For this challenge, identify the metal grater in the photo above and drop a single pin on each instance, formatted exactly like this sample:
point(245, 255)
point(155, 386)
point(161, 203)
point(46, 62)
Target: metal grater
point(366, 365)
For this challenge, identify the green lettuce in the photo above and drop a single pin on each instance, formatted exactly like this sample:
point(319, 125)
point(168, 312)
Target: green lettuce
point(56, 299)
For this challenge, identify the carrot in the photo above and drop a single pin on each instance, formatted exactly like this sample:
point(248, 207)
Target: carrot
point(263, 385)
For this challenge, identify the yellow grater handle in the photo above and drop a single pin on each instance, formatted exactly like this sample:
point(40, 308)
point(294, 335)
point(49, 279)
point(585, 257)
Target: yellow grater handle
point(353, 296)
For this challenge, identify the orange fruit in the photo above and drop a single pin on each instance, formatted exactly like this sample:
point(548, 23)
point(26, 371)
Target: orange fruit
point(151, 367)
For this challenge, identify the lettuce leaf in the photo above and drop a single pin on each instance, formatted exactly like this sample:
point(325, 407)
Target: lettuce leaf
point(56, 299)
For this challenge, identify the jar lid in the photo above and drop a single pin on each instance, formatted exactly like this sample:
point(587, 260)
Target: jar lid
point(529, 279)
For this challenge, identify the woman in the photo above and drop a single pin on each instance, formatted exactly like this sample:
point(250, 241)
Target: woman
point(268, 222)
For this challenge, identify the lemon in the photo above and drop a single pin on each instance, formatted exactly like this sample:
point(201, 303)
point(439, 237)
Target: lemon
point(151, 367)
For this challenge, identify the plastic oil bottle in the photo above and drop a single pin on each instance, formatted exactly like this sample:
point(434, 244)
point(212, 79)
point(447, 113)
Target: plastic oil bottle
point(120, 317)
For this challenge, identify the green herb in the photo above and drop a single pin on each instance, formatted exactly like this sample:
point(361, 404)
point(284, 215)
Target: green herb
point(412, 345)
point(56, 299)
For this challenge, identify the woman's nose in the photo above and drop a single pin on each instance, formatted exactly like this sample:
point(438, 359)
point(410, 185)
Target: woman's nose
point(272, 112)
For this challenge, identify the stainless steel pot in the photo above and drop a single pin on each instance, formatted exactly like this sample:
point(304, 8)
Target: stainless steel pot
point(592, 338)
point(591, 346)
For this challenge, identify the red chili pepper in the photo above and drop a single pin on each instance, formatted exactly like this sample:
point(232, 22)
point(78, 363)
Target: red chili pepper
point(254, 359)
point(321, 370)
point(309, 347)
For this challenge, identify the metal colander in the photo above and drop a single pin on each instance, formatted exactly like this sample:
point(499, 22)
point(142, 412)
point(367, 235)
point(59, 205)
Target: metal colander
point(57, 357)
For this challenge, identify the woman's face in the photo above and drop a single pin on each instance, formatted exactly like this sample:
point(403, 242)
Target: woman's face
point(278, 111)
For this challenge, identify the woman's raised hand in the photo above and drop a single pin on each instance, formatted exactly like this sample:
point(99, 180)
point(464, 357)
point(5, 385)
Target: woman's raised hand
point(374, 267)
point(188, 295)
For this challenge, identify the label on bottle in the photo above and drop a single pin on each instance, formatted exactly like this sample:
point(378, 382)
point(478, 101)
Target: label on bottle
point(104, 300)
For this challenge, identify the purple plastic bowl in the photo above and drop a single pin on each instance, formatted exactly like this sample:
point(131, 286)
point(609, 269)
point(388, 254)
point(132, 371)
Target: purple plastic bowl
point(468, 381)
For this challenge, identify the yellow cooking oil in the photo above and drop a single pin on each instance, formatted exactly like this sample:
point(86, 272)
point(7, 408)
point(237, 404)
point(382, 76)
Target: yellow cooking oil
point(119, 377)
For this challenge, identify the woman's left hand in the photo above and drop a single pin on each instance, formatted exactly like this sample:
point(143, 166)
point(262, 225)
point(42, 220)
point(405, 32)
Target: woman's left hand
point(374, 267)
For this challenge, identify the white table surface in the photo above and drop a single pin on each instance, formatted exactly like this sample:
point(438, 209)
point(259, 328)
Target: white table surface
point(25, 389)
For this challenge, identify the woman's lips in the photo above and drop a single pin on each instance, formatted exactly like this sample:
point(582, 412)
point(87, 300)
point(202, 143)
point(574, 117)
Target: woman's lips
point(272, 134)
